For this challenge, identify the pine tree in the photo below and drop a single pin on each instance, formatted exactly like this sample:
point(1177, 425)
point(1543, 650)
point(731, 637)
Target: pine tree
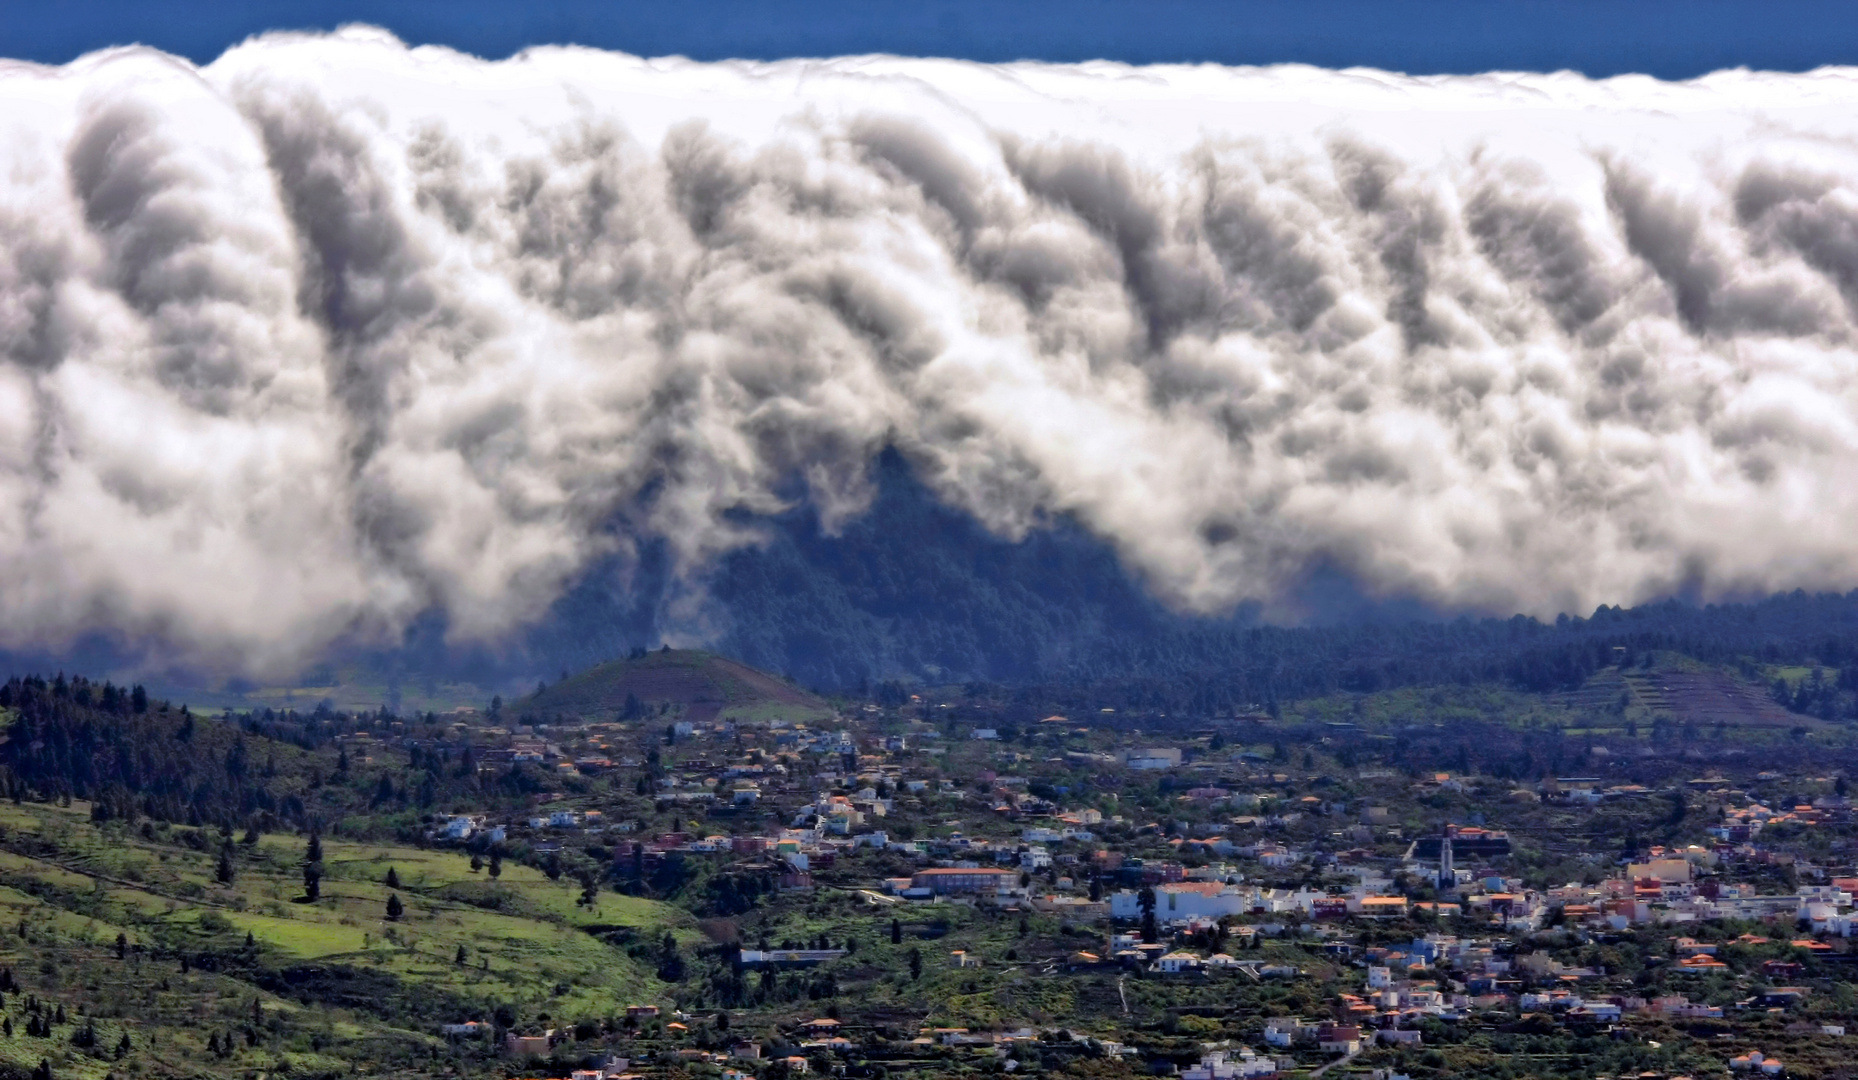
point(122, 946)
point(394, 907)
point(43, 1071)
point(916, 964)
point(896, 932)
point(670, 961)
point(313, 868)
point(223, 873)
point(393, 878)
point(460, 956)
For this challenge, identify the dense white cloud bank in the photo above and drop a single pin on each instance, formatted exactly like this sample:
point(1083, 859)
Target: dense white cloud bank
point(331, 332)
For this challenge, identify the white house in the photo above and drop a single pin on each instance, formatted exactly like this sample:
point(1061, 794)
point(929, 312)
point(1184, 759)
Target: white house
point(1755, 1060)
point(1157, 757)
point(1178, 963)
point(1179, 900)
point(1220, 1065)
point(1338, 1038)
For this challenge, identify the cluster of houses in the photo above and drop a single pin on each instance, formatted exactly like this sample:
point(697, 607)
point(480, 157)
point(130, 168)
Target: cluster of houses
point(1679, 887)
point(800, 800)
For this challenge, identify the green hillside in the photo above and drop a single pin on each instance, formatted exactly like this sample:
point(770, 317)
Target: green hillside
point(686, 683)
point(335, 982)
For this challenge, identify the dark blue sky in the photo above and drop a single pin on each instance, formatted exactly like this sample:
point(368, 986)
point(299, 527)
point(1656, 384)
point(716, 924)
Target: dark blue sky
point(1668, 38)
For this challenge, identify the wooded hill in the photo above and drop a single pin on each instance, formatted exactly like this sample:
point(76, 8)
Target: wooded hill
point(131, 757)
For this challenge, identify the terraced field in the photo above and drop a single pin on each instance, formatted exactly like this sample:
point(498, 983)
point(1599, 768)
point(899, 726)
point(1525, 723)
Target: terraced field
point(1709, 697)
point(1702, 697)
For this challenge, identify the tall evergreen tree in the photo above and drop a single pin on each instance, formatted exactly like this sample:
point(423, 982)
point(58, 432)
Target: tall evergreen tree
point(313, 868)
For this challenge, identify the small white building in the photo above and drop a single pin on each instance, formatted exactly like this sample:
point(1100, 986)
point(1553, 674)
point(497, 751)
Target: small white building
point(1178, 963)
point(1222, 1065)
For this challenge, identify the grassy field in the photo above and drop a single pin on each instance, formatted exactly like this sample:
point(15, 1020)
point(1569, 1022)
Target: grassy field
point(348, 688)
point(189, 971)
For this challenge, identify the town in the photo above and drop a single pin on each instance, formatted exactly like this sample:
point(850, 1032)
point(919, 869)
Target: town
point(918, 886)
